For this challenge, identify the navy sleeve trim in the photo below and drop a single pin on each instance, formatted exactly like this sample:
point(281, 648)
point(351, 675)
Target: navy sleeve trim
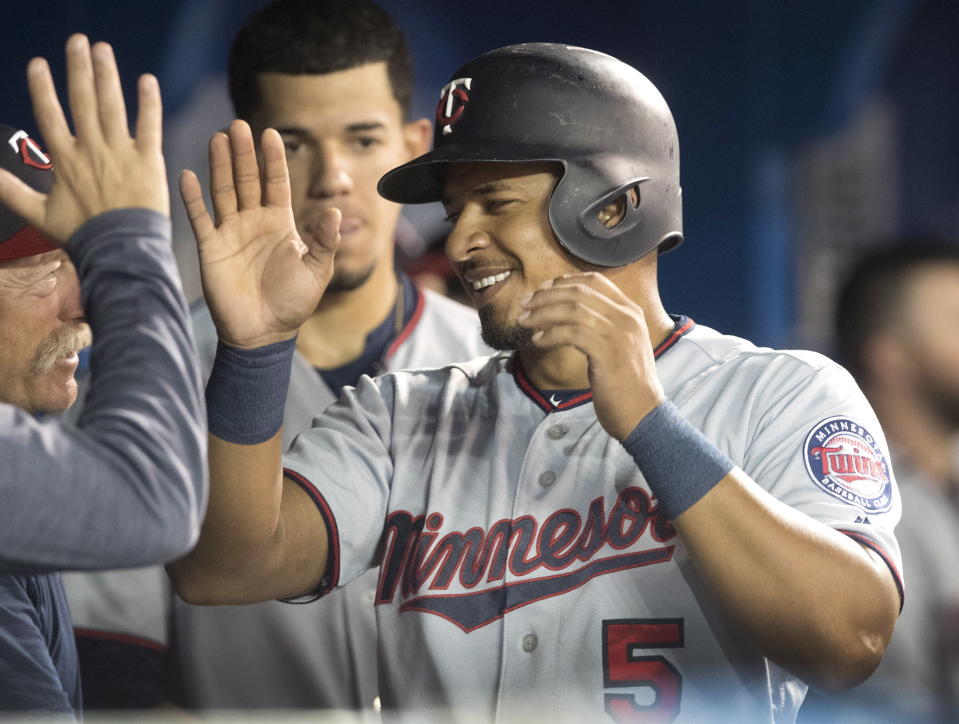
point(90, 633)
point(887, 559)
point(331, 576)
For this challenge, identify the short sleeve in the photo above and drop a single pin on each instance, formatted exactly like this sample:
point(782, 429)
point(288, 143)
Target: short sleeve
point(344, 463)
point(818, 447)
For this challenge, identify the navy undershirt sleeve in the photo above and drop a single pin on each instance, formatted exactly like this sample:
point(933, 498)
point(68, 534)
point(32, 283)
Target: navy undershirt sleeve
point(38, 661)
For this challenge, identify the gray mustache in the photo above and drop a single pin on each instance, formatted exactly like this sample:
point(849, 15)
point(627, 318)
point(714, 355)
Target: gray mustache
point(61, 343)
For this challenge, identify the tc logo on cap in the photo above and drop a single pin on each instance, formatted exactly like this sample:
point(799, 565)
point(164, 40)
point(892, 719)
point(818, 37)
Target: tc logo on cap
point(29, 150)
point(27, 161)
point(453, 99)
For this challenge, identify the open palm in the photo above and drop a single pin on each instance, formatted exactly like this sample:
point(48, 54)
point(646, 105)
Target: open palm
point(260, 279)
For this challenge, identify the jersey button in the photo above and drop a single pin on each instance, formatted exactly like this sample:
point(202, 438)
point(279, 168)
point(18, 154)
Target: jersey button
point(547, 478)
point(557, 432)
point(529, 643)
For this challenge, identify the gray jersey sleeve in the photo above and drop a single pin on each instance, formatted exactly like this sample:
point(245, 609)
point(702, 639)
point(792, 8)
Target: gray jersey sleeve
point(816, 445)
point(347, 455)
point(127, 486)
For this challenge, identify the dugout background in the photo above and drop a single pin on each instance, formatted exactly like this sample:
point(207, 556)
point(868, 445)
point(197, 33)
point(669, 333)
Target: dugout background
point(808, 128)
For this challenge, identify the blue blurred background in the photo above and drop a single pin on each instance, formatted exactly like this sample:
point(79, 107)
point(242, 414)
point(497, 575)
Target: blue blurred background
point(809, 129)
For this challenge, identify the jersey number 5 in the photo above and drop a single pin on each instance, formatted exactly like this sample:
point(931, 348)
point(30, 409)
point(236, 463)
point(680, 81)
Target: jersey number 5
point(624, 667)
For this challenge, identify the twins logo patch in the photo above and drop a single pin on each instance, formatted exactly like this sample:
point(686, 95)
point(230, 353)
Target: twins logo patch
point(845, 460)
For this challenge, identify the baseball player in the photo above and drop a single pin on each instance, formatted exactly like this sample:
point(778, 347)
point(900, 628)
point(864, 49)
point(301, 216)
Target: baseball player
point(298, 67)
point(127, 485)
point(623, 514)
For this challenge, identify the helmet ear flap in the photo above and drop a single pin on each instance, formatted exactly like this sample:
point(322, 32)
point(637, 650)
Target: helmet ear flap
point(590, 219)
point(583, 234)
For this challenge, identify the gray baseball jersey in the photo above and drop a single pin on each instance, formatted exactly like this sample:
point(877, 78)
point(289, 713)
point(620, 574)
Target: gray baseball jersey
point(273, 655)
point(524, 566)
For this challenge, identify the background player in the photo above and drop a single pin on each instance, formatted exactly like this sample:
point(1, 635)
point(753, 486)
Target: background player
point(551, 534)
point(335, 79)
point(128, 485)
point(897, 324)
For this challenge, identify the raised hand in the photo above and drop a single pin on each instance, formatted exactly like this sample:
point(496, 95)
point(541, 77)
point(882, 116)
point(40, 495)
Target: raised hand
point(102, 167)
point(589, 312)
point(260, 279)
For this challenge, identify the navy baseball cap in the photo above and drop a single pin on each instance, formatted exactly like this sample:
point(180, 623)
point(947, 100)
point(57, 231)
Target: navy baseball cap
point(24, 158)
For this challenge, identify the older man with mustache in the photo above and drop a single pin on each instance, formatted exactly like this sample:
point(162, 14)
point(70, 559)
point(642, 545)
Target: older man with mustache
point(87, 239)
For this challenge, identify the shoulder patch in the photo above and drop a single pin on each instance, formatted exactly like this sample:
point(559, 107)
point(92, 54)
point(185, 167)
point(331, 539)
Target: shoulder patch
point(845, 460)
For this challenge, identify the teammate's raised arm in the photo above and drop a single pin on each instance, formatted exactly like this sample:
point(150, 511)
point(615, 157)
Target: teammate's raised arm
point(262, 538)
point(125, 486)
point(128, 486)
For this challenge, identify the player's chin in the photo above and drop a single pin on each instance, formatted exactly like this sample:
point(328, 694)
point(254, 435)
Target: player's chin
point(58, 393)
point(350, 275)
point(501, 334)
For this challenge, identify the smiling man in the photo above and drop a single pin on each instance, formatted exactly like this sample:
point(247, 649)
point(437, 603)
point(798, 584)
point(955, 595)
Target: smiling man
point(623, 514)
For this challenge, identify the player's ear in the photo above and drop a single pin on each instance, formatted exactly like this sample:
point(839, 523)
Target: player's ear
point(416, 136)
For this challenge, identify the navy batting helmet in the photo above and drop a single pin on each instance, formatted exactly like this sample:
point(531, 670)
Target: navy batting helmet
point(601, 119)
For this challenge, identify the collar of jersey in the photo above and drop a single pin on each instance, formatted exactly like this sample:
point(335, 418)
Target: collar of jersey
point(682, 326)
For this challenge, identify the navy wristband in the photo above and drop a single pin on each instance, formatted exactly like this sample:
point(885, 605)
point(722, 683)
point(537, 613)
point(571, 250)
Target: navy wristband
point(247, 390)
point(680, 465)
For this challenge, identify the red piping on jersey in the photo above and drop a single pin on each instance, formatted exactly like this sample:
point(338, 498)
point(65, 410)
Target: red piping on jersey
point(89, 633)
point(887, 559)
point(673, 338)
point(526, 386)
point(523, 381)
point(410, 325)
point(332, 573)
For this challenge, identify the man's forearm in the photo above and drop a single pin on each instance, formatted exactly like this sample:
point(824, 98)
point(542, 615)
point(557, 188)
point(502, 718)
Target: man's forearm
point(813, 600)
point(127, 486)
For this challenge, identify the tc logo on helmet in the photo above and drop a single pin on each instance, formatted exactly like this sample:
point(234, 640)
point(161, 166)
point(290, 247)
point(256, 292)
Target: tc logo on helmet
point(453, 99)
point(30, 152)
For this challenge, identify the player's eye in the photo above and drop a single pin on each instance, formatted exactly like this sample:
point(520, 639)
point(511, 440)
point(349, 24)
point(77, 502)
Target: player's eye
point(451, 217)
point(496, 205)
point(293, 145)
point(45, 285)
point(365, 143)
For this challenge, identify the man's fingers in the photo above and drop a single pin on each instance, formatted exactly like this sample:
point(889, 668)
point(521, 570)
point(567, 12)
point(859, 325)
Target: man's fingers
point(324, 241)
point(565, 313)
point(22, 199)
point(82, 91)
point(196, 211)
point(276, 188)
point(46, 106)
point(566, 335)
point(595, 281)
point(149, 115)
point(110, 105)
point(246, 172)
point(569, 294)
point(222, 190)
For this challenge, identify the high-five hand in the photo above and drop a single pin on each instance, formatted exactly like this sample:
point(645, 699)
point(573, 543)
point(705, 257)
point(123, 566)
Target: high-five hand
point(102, 167)
point(260, 279)
point(589, 312)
